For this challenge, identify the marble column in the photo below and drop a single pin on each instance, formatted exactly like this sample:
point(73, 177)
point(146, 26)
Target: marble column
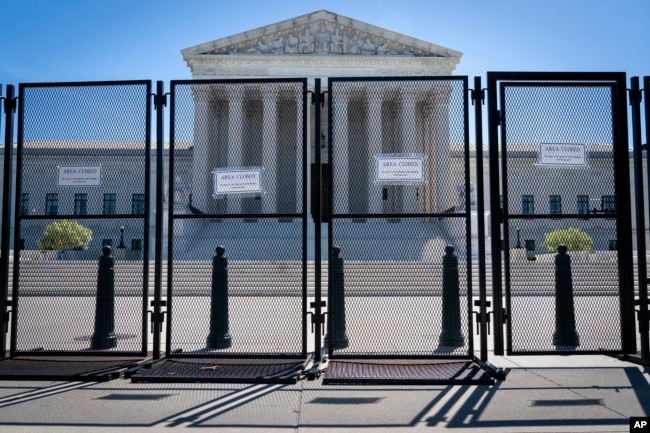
point(235, 138)
point(375, 130)
point(201, 183)
point(340, 144)
point(300, 148)
point(409, 132)
point(430, 188)
point(445, 185)
point(270, 147)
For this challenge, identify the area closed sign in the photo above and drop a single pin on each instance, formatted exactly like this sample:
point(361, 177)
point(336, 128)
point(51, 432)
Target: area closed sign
point(399, 169)
point(80, 175)
point(562, 154)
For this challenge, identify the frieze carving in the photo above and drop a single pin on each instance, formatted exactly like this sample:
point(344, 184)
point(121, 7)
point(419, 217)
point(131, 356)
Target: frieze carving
point(322, 38)
point(244, 66)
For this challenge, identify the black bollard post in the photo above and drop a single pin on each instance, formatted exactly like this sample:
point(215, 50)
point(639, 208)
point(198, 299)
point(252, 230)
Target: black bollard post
point(451, 335)
point(565, 323)
point(104, 336)
point(219, 337)
point(337, 338)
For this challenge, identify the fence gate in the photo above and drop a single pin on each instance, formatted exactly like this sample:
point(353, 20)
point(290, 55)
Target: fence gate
point(82, 183)
point(644, 299)
point(400, 291)
point(237, 257)
point(569, 131)
point(641, 265)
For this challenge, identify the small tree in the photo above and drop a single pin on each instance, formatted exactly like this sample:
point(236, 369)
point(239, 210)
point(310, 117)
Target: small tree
point(65, 235)
point(574, 238)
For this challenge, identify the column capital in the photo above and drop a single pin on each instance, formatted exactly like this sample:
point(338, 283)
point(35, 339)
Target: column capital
point(410, 91)
point(202, 93)
point(269, 91)
point(235, 93)
point(374, 94)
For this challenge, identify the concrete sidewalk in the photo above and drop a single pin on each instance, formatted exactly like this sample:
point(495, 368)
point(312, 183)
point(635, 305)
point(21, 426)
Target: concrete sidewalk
point(584, 393)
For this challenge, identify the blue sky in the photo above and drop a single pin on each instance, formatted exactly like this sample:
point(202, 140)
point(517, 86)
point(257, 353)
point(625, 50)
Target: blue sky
point(75, 40)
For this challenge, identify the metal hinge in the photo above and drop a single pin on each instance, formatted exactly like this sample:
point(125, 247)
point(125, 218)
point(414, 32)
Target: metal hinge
point(160, 100)
point(636, 96)
point(638, 303)
point(477, 303)
point(318, 98)
point(477, 95)
point(10, 104)
point(7, 314)
point(157, 319)
point(317, 318)
point(499, 118)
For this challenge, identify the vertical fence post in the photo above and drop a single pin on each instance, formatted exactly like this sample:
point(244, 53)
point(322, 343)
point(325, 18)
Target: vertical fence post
point(104, 336)
point(160, 102)
point(451, 335)
point(219, 337)
point(336, 338)
point(636, 97)
point(5, 230)
point(565, 323)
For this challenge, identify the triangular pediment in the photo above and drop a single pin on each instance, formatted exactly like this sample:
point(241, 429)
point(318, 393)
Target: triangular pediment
point(320, 33)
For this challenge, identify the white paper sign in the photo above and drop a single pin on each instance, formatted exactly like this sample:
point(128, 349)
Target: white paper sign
point(80, 175)
point(240, 180)
point(562, 154)
point(399, 169)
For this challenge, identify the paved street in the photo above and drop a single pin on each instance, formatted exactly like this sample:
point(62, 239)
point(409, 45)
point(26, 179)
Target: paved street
point(541, 394)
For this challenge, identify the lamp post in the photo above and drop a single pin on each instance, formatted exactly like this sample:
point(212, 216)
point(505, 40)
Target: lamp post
point(518, 238)
point(121, 245)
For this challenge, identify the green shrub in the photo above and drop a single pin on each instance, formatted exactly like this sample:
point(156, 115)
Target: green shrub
point(574, 238)
point(65, 235)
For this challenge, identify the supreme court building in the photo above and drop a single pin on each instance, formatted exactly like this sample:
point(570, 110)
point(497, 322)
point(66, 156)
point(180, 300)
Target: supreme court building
point(323, 45)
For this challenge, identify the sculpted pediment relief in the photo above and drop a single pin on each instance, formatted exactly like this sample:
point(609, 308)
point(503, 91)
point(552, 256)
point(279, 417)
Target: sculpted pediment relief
point(319, 38)
point(320, 33)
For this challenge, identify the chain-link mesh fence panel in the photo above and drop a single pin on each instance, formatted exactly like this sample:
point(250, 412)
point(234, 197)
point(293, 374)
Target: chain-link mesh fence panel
point(394, 288)
point(238, 174)
point(238, 148)
point(82, 184)
point(561, 190)
point(534, 292)
point(398, 147)
point(400, 196)
point(264, 294)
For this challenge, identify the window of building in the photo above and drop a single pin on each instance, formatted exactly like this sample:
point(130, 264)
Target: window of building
point(555, 204)
point(608, 203)
point(582, 202)
point(110, 204)
point(81, 204)
point(24, 203)
point(527, 204)
point(137, 204)
point(51, 203)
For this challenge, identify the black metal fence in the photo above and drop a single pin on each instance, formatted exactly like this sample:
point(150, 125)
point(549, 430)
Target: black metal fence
point(401, 205)
point(82, 185)
point(237, 170)
point(641, 299)
point(559, 145)
point(233, 250)
point(5, 226)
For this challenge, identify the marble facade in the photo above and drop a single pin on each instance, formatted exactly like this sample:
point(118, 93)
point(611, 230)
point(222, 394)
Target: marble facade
point(323, 45)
